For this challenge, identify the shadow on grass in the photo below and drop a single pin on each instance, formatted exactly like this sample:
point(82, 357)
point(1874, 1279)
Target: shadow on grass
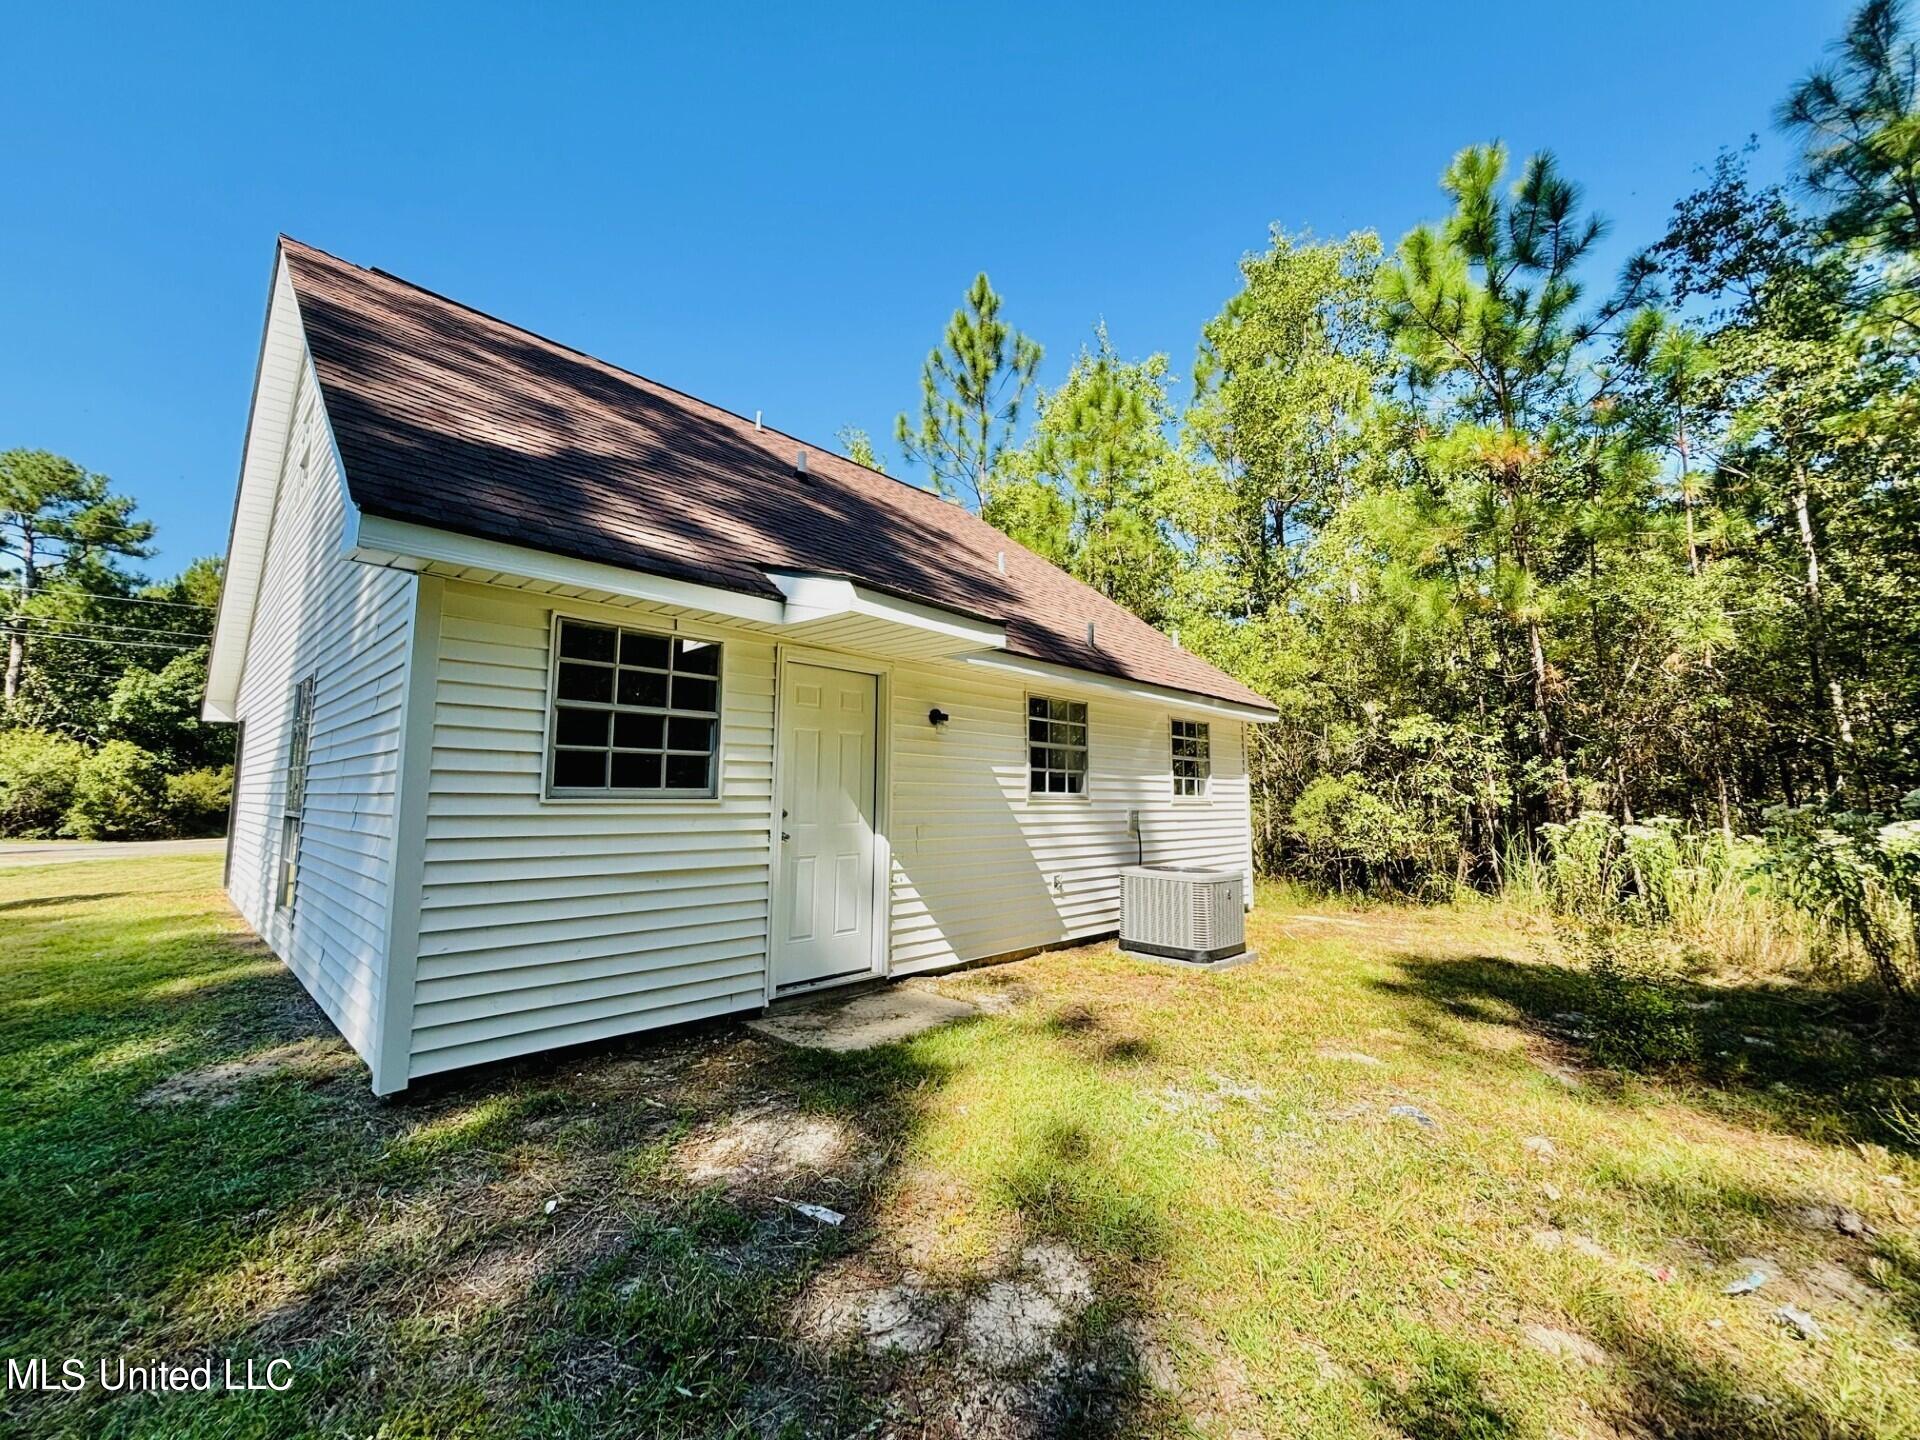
point(1447, 1400)
point(1088, 1036)
point(518, 1250)
point(1822, 1067)
point(47, 902)
point(1674, 1392)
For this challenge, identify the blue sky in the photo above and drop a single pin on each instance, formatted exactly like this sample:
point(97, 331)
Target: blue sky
point(775, 208)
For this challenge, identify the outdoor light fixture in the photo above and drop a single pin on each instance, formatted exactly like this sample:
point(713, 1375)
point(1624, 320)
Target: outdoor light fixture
point(937, 717)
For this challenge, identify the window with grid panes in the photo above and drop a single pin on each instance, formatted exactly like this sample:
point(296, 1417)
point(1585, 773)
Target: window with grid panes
point(1192, 757)
point(294, 807)
point(634, 713)
point(1056, 746)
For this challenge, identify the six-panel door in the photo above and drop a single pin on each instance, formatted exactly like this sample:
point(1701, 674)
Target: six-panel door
point(824, 918)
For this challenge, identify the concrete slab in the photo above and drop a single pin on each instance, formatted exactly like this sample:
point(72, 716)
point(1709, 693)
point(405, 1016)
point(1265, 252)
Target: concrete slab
point(878, 1017)
point(1225, 962)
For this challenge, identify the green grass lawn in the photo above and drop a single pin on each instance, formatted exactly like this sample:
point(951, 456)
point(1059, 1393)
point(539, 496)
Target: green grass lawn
point(1124, 1200)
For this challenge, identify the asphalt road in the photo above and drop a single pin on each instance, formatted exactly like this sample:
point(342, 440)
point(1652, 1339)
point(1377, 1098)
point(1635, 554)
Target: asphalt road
point(15, 854)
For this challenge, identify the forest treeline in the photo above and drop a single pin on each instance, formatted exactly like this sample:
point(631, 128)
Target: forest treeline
point(1511, 539)
point(100, 729)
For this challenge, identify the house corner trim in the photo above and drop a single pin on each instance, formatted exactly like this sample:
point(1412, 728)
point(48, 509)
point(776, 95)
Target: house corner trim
point(393, 1038)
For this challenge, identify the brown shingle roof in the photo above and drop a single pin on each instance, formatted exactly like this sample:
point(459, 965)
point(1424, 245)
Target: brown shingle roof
point(451, 418)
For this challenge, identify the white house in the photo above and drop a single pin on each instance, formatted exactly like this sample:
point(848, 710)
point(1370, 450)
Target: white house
point(571, 705)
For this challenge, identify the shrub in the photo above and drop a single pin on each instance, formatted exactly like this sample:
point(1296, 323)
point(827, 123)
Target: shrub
point(38, 770)
point(1586, 873)
point(159, 710)
point(1860, 873)
point(197, 801)
point(1342, 820)
point(1636, 1020)
point(121, 794)
point(1718, 892)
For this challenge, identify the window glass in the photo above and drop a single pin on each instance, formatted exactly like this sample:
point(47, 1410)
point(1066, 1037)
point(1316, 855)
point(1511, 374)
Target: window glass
point(1192, 757)
point(1056, 746)
point(633, 712)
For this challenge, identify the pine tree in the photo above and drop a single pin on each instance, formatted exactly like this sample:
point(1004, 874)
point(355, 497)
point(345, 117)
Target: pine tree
point(1486, 314)
point(1858, 124)
point(59, 526)
point(971, 390)
point(1084, 491)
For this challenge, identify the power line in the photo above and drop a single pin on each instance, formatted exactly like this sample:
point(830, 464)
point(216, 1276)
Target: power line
point(110, 625)
point(119, 599)
point(137, 644)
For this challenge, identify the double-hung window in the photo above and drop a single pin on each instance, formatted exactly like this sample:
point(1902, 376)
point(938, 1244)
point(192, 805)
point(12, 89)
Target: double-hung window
point(293, 811)
point(1056, 746)
point(1192, 757)
point(634, 713)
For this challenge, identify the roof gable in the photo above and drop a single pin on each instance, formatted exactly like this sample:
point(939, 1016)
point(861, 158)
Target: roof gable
point(276, 386)
point(447, 417)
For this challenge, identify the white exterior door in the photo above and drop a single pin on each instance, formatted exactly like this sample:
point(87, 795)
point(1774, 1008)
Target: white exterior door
point(824, 917)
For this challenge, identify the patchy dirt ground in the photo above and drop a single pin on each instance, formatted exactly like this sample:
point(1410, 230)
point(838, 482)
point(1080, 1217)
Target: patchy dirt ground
point(319, 1057)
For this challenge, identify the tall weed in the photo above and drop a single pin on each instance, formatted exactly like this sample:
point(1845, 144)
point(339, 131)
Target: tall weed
point(1711, 890)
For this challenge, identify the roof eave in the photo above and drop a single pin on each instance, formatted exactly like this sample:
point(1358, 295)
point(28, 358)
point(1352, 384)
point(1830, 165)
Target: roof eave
point(409, 545)
point(1099, 682)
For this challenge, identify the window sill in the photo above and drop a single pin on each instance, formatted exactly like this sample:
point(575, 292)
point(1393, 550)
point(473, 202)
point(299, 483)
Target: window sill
point(636, 797)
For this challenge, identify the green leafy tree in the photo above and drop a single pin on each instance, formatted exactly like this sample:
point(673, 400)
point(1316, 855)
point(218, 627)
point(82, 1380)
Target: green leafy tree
point(1285, 382)
point(84, 640)
point(159, 710)
point(1084, 490)
point(1806, 419)
point(971, 390)
point(859, 448)
point(60, 528)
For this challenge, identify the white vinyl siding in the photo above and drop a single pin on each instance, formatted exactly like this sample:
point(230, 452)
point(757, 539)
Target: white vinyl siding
point(346, 625)
point(981, 867)
point(551, 921)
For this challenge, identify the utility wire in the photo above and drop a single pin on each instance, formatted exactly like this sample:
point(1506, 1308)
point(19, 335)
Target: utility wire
point(137, 644)
point(108, 625)
point(121, 599)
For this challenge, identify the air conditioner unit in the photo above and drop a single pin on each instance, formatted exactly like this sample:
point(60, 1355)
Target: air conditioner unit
point(1183, 914)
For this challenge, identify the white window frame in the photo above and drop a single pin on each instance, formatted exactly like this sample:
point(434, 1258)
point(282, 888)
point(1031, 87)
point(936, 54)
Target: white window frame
point(293, 798)
point(583, 795)
point(1085, 748)
point(1204, 759)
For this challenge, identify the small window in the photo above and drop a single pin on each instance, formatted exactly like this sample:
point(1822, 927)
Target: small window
point(1056, 746)
point(633, 713)
point(293, 811)
point(1192, 757)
